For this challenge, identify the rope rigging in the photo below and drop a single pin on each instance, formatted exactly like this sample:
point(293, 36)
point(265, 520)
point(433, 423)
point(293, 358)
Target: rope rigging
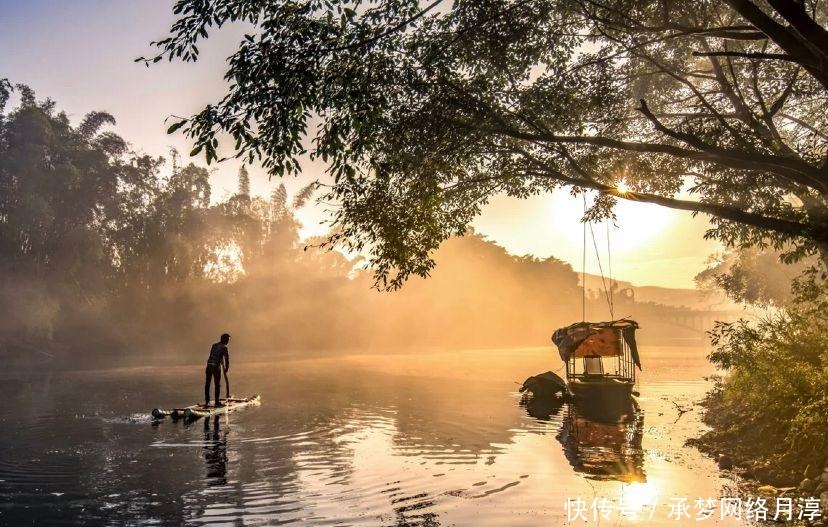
point(609, 270)
point(583, 269)
point(608, 293)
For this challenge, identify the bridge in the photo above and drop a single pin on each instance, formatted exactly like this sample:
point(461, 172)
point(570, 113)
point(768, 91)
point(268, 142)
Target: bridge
point(700, 321)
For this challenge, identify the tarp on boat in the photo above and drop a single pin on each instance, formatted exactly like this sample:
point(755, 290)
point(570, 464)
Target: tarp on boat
point(596, 339)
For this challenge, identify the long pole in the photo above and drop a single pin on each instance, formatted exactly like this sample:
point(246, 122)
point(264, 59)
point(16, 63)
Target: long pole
point(226, 383)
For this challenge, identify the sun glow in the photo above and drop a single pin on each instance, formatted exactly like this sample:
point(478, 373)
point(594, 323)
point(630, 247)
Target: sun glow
point(226, 265)
point(637, 496)
point(636, 224)
point(622, 187)
point(649, 244)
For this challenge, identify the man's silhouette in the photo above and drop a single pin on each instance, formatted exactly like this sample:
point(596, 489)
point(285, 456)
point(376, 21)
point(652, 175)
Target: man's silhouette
point(219, 358)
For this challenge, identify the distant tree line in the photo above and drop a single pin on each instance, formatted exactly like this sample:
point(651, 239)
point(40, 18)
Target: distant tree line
point(104, 251)
point(95, 243)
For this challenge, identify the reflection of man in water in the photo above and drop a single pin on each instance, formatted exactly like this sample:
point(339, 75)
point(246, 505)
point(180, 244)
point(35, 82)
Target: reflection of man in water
point(219, 359)
point(215, 452)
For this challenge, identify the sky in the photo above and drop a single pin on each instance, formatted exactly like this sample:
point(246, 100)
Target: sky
point(81, 54)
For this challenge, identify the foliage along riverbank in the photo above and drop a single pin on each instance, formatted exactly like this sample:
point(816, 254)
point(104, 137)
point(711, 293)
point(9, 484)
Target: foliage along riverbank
point(769, 415)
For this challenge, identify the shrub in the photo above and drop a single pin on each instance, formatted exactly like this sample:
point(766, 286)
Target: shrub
point(772, 406)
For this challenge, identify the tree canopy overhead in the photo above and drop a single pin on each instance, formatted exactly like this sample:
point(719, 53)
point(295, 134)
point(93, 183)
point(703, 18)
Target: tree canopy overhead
point(424, 110)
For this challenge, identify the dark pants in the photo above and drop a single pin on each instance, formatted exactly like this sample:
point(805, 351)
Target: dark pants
point(213, 371)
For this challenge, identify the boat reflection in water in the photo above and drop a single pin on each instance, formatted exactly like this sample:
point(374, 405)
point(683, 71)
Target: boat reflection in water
point(600, 440)
point(604, 441)
point(542, 407)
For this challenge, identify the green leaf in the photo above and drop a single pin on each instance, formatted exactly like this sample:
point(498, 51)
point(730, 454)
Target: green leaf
point(176, 126)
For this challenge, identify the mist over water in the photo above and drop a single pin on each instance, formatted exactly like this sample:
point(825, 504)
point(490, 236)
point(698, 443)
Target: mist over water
point(114, 257)
point(431, 439)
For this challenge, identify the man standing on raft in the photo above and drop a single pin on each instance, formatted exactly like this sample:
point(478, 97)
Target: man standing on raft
point(219, 360)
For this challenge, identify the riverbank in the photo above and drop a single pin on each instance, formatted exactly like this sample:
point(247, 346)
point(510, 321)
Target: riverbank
point(768, 415)
point(740, 447)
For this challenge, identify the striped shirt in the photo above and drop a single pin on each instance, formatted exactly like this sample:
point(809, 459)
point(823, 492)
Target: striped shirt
point(217, 353)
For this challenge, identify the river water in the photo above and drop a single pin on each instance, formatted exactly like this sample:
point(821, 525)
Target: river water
point(428, 439)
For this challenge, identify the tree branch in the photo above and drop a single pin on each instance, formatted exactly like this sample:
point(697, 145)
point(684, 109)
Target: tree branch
point(813, 35)
point(777, 105)
point(690, 86)
point(727, 212)
point(744, 32)
point(748, 54)
point(737, 100)
point(805, 125)
point(791, 169)
point(790, 228)
point(785, 38)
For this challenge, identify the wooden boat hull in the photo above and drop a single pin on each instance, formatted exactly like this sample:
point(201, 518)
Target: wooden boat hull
point(198, 411)
point(602, 391)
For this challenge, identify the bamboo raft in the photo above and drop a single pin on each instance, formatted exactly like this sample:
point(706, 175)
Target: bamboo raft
point(197, 411)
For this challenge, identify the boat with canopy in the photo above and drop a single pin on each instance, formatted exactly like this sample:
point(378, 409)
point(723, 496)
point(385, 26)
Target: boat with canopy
point(600, 358)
